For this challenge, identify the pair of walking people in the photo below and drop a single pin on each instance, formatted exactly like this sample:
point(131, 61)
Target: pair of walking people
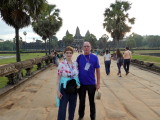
point(122, 59)
point(83, 71)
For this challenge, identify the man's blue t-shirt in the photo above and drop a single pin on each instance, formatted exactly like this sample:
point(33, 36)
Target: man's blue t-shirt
point(87, 77)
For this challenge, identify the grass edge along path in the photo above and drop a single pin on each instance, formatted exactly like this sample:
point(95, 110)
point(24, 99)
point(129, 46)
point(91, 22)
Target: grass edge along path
point(147, 58)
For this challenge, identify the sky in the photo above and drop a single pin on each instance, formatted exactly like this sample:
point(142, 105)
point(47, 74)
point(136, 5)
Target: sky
point(88, 15)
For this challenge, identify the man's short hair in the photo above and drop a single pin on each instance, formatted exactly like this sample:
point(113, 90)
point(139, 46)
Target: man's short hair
point(127, 48)
point(86, 42)
point(107, 51)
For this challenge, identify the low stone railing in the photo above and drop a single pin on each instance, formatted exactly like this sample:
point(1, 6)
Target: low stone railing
point(146, 65)
point(14, 71)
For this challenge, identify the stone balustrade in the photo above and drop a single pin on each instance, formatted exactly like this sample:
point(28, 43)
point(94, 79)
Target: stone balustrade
point(14, 71)
point(146, 65)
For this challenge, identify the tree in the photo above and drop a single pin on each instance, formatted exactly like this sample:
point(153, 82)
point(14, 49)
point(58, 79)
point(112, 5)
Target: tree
point(116, 19)
point(25, 33)
point(48, 23)
point(92, 39)
point(153, 41)
point(6, 45)
point(68, 39)
point(102, 42)
point(54, 42)
point(18, 14)
point(130, 43)
point(137, 38)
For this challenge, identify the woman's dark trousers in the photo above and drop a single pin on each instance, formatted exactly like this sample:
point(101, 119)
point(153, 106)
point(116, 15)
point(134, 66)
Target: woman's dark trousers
point(67, 98)
point(82, 96)
point(119, 67)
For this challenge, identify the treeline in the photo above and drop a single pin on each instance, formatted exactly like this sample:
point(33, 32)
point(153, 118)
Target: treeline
point(138, 41)
point(133, 41)
point(7, 46)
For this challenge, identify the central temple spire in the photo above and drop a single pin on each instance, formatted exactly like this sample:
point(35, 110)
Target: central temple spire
point(77, 35)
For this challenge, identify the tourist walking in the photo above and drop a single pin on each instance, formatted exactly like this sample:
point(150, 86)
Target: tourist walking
point(107, 61)
point(88, 63)
point(67, 71)
point(127, 58)
point(54, 56)
point(119, 57)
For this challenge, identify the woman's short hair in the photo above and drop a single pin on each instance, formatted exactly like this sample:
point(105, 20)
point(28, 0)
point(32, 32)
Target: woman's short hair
point(69, 48)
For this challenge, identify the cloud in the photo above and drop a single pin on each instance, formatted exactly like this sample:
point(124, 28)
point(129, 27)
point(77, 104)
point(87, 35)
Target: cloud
point(5, 29)
point(88, 15)
point(8, 33)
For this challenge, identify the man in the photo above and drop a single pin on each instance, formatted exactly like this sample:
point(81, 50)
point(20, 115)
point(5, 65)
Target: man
point(87, 64)
point(127, 58)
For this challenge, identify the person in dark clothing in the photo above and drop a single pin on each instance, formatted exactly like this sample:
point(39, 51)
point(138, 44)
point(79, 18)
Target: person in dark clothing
point(88, 63)
point(127, 58)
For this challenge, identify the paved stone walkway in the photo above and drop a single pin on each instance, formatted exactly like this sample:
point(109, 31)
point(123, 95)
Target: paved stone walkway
point(132, 97)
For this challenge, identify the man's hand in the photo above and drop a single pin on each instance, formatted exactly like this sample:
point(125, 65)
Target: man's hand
point(97, 86)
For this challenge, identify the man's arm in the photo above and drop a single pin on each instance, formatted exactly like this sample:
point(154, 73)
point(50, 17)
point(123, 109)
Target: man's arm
point(130, 53)
point(98, 78)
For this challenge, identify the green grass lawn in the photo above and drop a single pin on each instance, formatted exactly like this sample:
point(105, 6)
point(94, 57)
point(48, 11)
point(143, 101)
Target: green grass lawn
point(146, 51)
point(24, 56)
point(147, 58)
point(3, 82)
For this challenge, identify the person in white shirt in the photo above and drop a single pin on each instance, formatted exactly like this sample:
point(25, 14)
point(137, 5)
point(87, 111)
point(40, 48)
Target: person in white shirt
point(107, 61)
point(127, 58)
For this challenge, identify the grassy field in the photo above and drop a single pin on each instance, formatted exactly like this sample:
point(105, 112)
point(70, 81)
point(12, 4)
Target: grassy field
point(146, 58)
point(146, 51)
point(24, 56)
point(3, 82)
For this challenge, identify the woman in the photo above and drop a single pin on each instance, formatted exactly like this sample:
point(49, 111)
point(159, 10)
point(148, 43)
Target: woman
point(119, 57)
point(107, 61)
point(67, 70)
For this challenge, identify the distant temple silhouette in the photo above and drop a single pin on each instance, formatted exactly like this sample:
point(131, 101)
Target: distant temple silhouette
point(78, 38)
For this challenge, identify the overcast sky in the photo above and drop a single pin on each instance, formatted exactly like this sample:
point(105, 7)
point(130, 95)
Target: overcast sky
point(88, 15)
